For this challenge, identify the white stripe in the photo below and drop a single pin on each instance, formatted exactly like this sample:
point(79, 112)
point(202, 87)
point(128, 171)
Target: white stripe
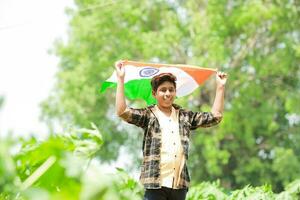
point(185, 83)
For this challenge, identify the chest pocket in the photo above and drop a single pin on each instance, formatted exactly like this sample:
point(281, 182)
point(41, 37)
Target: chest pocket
point(153, 129)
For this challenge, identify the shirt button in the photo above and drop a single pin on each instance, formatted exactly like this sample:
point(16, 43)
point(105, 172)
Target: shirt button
point(172, 131)
point(174, 143)
point(175, 156)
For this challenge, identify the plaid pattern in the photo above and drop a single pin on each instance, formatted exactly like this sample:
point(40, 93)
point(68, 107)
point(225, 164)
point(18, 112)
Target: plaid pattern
point(145, 118)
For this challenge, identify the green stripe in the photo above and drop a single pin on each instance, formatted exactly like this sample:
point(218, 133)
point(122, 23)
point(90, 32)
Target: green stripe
point(106, 85)
point(135, 89)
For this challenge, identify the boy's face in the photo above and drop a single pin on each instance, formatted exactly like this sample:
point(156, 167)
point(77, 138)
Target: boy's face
point(165, 94)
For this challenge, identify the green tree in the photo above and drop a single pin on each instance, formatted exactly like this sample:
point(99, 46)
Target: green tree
point(256, 42)
point(100, 34)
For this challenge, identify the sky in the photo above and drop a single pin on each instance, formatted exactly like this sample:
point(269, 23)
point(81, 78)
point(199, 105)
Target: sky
point(27, 71)
point(27, 31)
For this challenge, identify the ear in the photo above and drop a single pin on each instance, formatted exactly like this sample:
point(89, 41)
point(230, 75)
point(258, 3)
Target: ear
point(153, 93)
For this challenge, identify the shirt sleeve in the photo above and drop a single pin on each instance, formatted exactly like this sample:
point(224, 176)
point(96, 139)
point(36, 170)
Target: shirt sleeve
point(138, 117)
point(203, 119)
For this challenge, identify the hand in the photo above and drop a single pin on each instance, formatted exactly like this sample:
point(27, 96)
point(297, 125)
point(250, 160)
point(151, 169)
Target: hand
point(221, 78)
point(120, 69)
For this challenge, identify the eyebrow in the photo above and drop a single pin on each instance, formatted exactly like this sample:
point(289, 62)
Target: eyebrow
point(171, 87)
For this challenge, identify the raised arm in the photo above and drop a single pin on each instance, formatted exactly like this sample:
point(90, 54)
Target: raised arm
point(218, 106)
point(120, 97)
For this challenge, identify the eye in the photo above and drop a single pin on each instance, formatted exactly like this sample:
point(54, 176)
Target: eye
point(163, 89)
point(171, 90)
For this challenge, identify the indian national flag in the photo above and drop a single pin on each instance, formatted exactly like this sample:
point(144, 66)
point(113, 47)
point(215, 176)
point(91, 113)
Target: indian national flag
point(138, 77)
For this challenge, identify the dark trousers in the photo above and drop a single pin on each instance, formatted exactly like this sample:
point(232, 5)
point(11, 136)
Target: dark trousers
point(165, 193)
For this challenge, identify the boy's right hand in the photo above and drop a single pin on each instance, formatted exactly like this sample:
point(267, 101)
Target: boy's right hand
point(120, 69)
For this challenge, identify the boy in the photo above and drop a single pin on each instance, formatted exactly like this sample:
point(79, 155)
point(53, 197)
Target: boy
point(166, 126)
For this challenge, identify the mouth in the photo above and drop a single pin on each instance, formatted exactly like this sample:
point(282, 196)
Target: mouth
point(167, 99)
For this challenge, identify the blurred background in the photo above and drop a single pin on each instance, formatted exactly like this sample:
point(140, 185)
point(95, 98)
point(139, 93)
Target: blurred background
point(27, 32)
point(60, 138)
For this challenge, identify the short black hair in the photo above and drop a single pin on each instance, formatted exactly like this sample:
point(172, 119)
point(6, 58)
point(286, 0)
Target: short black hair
point(157, 80)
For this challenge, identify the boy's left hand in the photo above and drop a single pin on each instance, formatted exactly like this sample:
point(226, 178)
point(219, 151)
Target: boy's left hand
point(221, 78)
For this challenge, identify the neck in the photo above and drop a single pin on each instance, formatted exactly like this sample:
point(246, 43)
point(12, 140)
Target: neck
point(167, 110)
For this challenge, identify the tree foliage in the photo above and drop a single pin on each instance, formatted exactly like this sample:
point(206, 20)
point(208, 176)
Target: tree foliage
point(256, 42)
point(63, 167)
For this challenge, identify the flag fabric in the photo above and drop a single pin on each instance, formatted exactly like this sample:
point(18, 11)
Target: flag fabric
point(138, 77)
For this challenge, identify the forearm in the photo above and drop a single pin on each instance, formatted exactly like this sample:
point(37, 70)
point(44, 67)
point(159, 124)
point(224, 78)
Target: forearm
point(120, 97)
point(218, 106)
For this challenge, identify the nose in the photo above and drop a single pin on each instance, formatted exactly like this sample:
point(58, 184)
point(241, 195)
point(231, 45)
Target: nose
point(167, 94)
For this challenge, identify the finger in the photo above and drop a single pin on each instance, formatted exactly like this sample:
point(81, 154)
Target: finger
point(116, 64)
point(121, 64)
point(220, 74)
point(117, 68)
